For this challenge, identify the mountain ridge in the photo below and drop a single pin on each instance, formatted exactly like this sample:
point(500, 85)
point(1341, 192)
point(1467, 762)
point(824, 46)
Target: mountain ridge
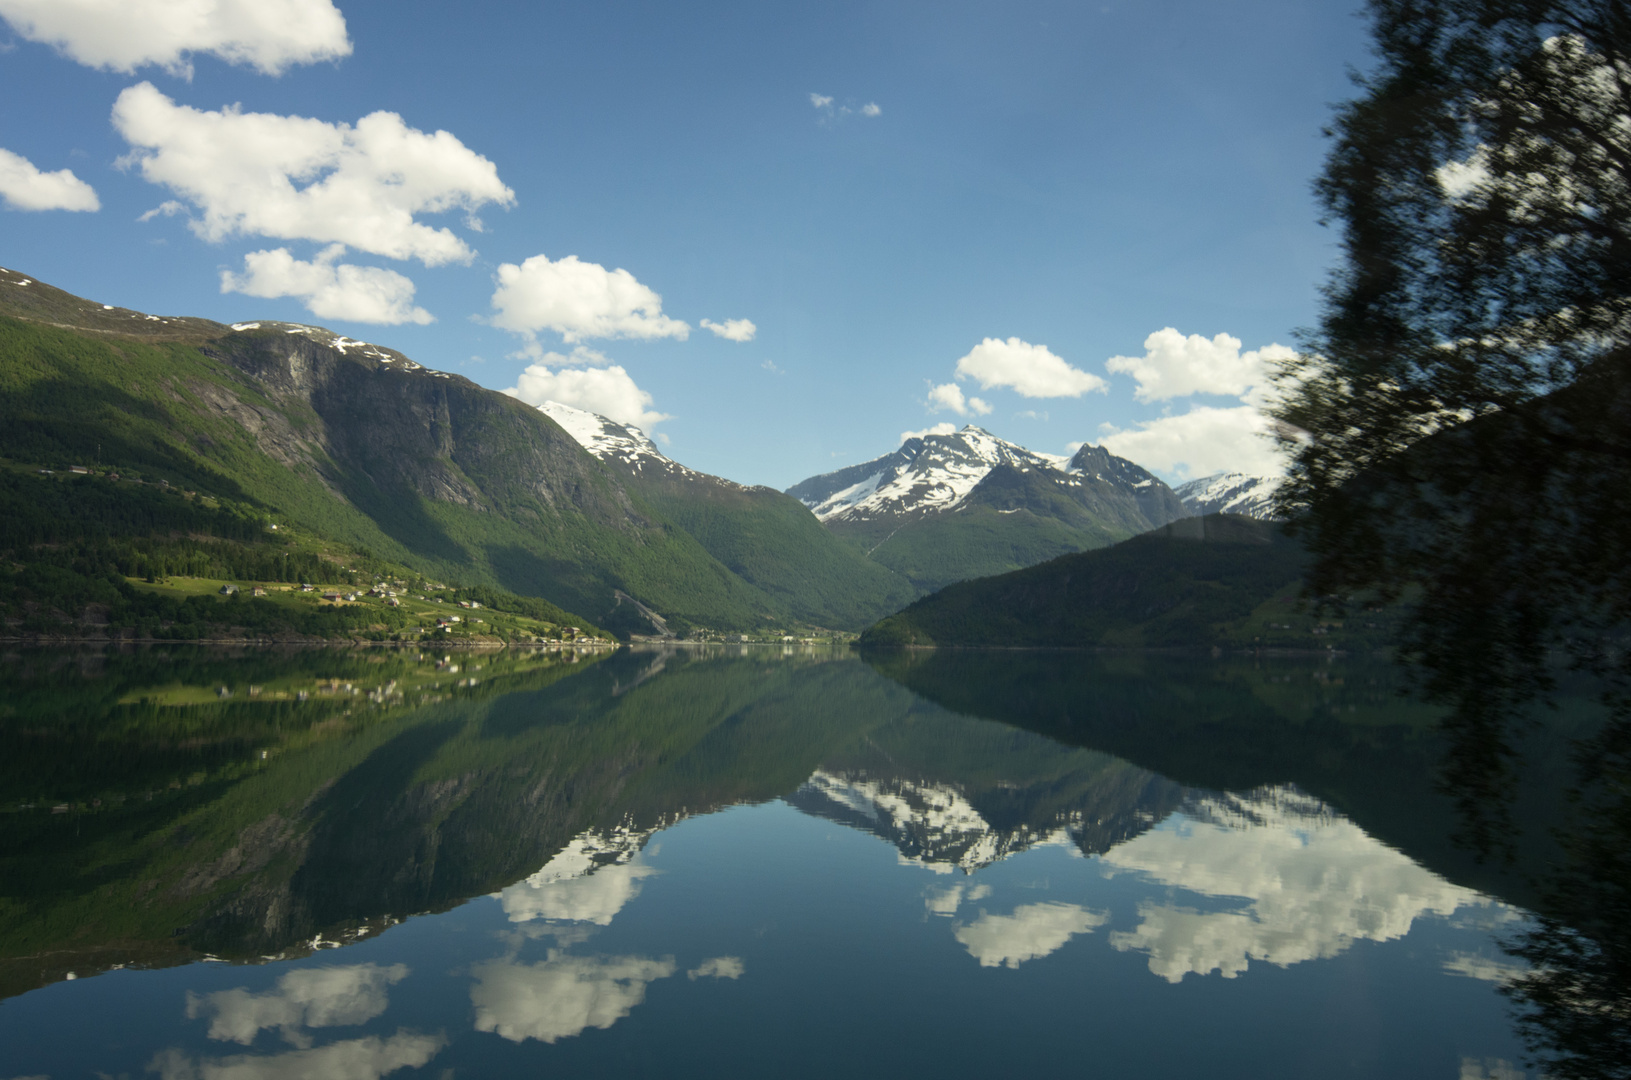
point(944, 508)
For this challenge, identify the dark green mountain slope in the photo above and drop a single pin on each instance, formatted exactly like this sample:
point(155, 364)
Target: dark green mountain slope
point(772, 541)
point(766, 538)
point(355, 443)
point(1187, 583)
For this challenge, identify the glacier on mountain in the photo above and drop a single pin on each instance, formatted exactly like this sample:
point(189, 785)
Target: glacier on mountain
point(1231, 493)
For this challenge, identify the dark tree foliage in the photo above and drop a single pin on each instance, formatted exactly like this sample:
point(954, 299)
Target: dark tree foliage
point(1463, 423)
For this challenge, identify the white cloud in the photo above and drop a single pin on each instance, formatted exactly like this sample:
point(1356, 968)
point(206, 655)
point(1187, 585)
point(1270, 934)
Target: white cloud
point(950, 396)
point(367, 294)
point(123, 35)
point(579, 300)
point(731, 329)
point(1203, 441)
point(353, 1059)
point(1177, 366)
point(295, 178)
point(1030, 369)
point(308, 997)
point(821, 101)
point(942, 428)
point(562, 996)
point(608, 391)
point(720, 967)
point(1032, 931)
point(1313, 883)
point(871, 108)
point(24, 187)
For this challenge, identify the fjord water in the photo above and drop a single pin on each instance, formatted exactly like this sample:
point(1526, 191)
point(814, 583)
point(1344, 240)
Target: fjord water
point(737, 861)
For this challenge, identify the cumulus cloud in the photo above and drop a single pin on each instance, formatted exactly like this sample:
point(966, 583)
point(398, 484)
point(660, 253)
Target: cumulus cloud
point(1031, 370)
point(720, 967)
point(366, 294)
point(950, 396)
point(123, 35)
point(942, 428)
point(295, 178)
point(1177, 366)
point(579, 300)
point(731, 329)
point(561, 996)
point(24, 187)
point(1312, 882)
point(353, 1059)
point(610, 391)
point(1201, 442)
point(309, 997)
point(823, 104)
point(1032, 931)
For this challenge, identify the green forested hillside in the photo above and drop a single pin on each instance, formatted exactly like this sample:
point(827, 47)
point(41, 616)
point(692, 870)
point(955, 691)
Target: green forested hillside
point(369, 451)
point(772, 541)
point(1198, 581)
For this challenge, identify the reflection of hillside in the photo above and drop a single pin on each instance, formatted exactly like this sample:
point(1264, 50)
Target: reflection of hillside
point(542, 789)
point(1338, 730)
point(938, 825)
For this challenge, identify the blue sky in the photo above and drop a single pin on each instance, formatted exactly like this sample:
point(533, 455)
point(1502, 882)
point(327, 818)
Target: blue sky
point(1035, 190)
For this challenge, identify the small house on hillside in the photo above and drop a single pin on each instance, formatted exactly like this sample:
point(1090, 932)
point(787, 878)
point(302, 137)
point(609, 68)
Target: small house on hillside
point(228, 590)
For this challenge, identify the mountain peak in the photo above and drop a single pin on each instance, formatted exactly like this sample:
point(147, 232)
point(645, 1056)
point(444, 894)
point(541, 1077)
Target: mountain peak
point(1231, 493)
point(606, 438)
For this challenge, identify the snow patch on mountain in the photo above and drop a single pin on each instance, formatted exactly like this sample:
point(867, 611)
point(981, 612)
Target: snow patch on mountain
point(932, 825)
point(929, 473)
point(1231, 493)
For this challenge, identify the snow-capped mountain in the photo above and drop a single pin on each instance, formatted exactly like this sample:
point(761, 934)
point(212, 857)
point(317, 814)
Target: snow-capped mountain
point(1231, 493)
point(928, 473)
point(608, 440)
point(935, 824)
point(937, 473)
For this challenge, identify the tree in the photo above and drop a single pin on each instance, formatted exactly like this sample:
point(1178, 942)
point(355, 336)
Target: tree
point(1460, 425)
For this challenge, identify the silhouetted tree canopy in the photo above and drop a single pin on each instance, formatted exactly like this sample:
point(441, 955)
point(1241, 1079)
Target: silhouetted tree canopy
point(1460, 422)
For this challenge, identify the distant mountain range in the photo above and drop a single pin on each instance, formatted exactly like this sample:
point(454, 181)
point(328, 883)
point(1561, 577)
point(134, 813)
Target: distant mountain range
point(362, 447)
point(946, 508)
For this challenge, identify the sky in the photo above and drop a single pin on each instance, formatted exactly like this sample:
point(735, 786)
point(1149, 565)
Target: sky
point(778, 237)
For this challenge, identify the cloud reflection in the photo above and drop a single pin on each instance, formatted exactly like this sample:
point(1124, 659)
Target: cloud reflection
point(1314, 882)
point(308, 997)
point(561, 996)
point(1032, 931)
point(588, 881)
point(353, 1059)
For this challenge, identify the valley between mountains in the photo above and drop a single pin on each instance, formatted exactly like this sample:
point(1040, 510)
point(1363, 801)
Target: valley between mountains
point(138, 450)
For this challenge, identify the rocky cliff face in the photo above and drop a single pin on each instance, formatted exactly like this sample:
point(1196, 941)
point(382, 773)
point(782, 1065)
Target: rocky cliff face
point(376, 415)
point(359, 444)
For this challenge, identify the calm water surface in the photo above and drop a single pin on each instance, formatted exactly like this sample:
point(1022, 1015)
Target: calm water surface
point(738, 863)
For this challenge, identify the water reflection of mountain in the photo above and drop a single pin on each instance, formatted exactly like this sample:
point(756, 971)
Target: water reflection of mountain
point(947, 826)
point(255, 826)
point(1338, 730)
